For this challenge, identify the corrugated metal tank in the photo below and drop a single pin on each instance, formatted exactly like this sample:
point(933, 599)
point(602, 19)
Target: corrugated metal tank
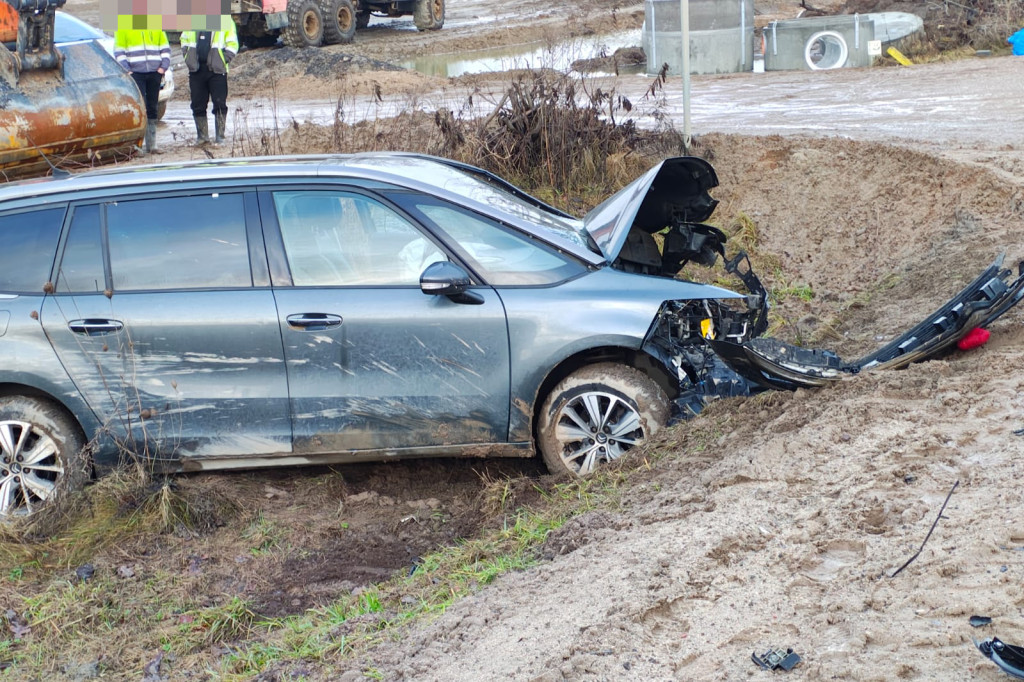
point(721, 36)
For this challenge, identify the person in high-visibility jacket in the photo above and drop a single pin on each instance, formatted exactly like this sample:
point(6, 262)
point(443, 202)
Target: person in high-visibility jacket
point(207, 55)
point(147, 55)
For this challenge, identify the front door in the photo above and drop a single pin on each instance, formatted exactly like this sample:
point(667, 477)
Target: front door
point(373, 363)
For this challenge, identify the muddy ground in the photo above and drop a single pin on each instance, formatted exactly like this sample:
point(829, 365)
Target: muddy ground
point(775, 521)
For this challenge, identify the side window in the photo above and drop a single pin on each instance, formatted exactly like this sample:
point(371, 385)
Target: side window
point(29, 243)
point(501, 256)
point(81, 266)
point(189, 242)
point(344, 239)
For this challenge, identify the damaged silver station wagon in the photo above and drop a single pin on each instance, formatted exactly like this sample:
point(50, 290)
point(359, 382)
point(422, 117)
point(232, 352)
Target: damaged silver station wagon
point(274, 311)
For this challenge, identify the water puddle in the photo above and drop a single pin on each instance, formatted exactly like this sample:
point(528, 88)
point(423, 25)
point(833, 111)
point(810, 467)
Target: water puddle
point(536, 55)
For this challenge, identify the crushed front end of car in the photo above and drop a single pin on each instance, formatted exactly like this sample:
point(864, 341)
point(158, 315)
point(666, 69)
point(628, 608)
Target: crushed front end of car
point(714, 347)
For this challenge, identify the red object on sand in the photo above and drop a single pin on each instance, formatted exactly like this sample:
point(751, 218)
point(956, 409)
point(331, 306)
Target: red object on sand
point(976, 337)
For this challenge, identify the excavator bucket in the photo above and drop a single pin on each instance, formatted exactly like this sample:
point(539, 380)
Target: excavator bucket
point(60, 105)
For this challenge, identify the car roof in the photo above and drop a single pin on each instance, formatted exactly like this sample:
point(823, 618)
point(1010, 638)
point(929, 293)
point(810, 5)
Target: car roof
point(68, 28)
point(452, 181)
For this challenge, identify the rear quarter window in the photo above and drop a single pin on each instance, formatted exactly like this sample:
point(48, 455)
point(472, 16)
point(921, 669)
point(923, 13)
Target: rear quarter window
point(29, 241)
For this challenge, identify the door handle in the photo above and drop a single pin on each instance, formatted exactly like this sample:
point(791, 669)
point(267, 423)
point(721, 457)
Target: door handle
point(95, 327)
point(313, 322)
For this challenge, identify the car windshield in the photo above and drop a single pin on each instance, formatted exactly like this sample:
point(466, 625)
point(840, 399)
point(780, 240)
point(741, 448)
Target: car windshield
point(479, 191)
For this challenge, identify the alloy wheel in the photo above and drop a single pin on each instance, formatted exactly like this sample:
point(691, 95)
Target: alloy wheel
point(29, 468)
point(596, 427)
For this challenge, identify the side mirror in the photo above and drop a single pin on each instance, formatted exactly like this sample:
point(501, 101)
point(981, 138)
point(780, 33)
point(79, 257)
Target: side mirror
point(448, 279)
point(444, 278)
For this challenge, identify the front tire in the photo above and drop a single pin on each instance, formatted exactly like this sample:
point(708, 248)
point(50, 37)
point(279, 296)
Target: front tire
point(41, 458)
point(428, 15)
point(597, 414)
point(305, 24)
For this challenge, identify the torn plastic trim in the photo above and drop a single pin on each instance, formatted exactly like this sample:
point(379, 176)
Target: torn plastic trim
point(776, 364)
point(771, 363)
point(1007, 657)
point(977, 305)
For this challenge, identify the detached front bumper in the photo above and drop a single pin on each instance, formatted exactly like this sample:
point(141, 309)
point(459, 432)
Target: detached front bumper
point(770, 363)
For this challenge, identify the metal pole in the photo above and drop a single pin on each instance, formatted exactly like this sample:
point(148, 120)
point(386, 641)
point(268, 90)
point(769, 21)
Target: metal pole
point(684, 48)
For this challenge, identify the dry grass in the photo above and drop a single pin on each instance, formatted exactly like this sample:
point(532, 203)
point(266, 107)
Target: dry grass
point(572, 143)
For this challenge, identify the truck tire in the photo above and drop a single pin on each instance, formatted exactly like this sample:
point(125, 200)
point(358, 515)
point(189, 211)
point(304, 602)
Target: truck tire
point(305, 24)
point(362, 18)
point(339, 21)
point(595, 415)
point(428, 15)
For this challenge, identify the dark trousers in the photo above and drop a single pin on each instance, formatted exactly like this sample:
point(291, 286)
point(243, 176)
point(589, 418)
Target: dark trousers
point(149, 86)
point(204, 86)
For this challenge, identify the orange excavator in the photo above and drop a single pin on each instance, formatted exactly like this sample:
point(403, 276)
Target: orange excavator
point(59, 105)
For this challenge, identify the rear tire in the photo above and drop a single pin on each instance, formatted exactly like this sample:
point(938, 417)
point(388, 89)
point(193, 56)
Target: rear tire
point(339, 21)
point(428, 15)
point(42, 461)
point(305, 24)
point(597, 414)
point(362, 18)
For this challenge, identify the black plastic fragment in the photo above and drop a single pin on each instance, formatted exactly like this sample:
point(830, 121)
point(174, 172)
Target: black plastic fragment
point(1008, 658)
point(979, 621)
point(777, 659)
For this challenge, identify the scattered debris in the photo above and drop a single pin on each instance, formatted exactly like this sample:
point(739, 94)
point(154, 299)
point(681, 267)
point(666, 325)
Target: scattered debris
point(270, 492)
point(151, 671)
point(1019, 432)
point(975, 338)
point(84, 572)
point(777, 659)
point(979, 621)
point(1009, 658)
point(899, 57)
point(17, 625)
point(935, 523)
point(126, 572)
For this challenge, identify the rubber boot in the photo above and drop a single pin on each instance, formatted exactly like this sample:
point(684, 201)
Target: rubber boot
point(220, 121)
point(150, 139)
point(202, 130)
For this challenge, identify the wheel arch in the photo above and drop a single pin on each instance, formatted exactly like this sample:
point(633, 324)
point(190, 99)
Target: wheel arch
point(9, 389)
point(635, 358)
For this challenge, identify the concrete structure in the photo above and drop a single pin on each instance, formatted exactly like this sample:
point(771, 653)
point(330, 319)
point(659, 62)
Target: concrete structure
point(892, 27)
point(818, 43)
point(721, 36)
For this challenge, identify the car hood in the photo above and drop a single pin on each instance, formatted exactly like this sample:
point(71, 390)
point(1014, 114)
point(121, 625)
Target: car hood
point(675, 188)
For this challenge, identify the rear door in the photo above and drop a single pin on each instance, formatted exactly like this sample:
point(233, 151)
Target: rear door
point(163, 316)
point(373, 363)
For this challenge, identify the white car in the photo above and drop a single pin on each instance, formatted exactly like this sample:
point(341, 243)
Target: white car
point(70, 29)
